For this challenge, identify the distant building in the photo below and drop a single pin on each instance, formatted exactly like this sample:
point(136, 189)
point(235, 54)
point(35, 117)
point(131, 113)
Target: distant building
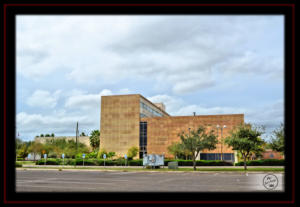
point(270, 154)
point(132, 120)
point(32, 156)
point(81, 139)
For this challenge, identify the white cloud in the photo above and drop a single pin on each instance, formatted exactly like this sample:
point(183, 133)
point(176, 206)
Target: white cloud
point(174, 55)
point(125, 91)
point(43, 98)
point(172, 104)
point(181, 50)
point(86, 101)
point(58, 123)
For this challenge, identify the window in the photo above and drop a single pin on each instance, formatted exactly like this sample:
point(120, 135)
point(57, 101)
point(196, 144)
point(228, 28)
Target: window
point(228, 156)
point(217, 156)
point(142, 115)
point(143, 139)
point(150, 110)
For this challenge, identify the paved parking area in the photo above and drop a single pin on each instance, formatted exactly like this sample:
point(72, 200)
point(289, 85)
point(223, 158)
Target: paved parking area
point(37, 180)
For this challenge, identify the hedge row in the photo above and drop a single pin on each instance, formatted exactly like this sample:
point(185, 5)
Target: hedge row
point(268, 162)
point(18, 164)
point(20, 159)
point(120, 162)
point(200, 163)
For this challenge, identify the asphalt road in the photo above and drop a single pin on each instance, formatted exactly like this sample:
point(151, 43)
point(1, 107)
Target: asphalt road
point(37, 180)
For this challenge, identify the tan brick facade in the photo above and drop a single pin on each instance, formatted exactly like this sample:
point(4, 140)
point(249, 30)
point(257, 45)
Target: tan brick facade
point(270, 154)
point(120, 125)
point(163, 131)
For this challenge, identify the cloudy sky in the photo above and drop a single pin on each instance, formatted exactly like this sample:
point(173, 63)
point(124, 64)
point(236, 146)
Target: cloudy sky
point(202, 64)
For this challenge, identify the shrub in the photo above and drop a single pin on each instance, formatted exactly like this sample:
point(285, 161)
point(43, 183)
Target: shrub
point(20, 159)
point(92, 155)
point(86, 162)
point(100, 162)
point(101, 153)
point(135, 162)
point(52, 154)
point(200, 163)
point(18, 164)
point(49, 161)
point(267, 162)
point(111, 154)
point(69, 162)
point(132, 152)
point(213, 163)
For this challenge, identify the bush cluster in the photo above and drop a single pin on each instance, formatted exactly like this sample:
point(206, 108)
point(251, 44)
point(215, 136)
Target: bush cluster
point(18, 164)
point(267, 162)
point(121, 162)
point(200, 163)
point(20, 159)
point(49, 161)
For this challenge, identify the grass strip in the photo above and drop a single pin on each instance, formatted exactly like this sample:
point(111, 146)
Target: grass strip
point(166, 169)
point(26, 162)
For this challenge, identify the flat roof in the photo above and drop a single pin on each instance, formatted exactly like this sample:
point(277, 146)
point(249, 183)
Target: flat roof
point(154, 105)
point(169, 114)
point(161, 110)
point(214, 115)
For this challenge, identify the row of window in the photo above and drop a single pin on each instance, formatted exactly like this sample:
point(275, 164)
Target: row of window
point(142, 115)
point(149, 109)
point(217, 156)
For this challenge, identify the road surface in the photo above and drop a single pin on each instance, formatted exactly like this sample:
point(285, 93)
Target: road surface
point(47, 180)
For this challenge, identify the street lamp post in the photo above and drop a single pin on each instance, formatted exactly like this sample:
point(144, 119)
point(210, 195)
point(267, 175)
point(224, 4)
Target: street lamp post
point(223, 127)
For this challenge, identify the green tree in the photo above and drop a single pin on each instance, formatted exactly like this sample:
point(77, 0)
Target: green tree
point(52, 135)
point(82, 134)
point(41, 135)
point(71, 148)
point(257, 153)
point(101, 153)
point(245, 139)
point(95, 139)
point(35, 148)
point(19, 143)
point(22, 151)
point(197, 140)
point(132, 152)
point(176, 149)
point(47, 135)
point(277, 139)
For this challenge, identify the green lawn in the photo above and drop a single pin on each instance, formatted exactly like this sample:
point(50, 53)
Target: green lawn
point(267, 169)
point(26, 162)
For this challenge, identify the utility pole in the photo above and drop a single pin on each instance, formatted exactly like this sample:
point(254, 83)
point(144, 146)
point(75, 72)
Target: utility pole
point(76, 142)
point(77, 138)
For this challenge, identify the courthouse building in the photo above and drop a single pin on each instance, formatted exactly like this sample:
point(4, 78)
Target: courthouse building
point(132, 120)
